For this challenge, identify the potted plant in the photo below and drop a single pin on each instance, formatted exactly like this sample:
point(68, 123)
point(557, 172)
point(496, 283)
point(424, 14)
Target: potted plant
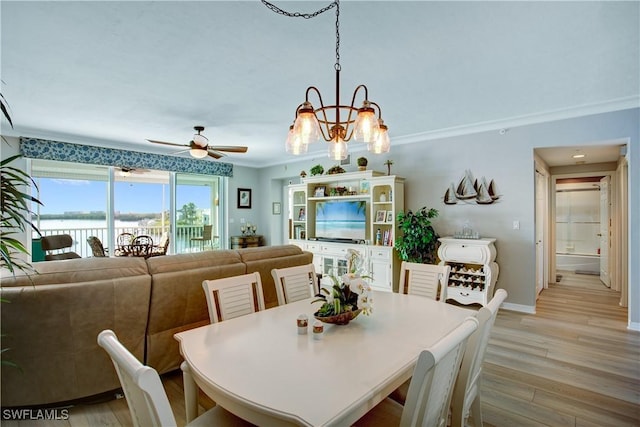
point(316, 170)
point(418, 240)
point(349, 295)
point(362, 163)
point(14, 207)
point(335, 169)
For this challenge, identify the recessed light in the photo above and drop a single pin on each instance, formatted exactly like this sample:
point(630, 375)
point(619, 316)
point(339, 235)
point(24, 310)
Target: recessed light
point(578, 156)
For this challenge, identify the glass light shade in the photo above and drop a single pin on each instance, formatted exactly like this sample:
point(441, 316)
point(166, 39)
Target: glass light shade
point(294, 145)
point(338, 149)
point(198, 153)
point(200, 140)
point(366, 125)
point(382, 144)
point(306, 126)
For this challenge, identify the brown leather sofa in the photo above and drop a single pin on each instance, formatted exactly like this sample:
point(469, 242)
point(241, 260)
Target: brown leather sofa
point(52, 318)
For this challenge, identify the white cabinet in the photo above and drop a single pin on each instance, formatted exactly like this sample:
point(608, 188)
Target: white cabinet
point(474, 271)
point(381, 267)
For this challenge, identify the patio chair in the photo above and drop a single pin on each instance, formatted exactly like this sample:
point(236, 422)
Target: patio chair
point(431, 385)
point(96, 247)
point(294, 283)
point(426, 280)
point(148, 402)
point(56, 243)
point(123, 244)
point(207, 236)
point(233, 296)
point(142, 246)
point(161, 248)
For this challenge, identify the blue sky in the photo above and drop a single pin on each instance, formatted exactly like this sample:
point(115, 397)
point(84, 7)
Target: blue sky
point(59, 196)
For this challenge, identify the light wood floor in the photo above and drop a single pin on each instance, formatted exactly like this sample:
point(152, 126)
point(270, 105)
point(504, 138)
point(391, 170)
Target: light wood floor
point(573, 363)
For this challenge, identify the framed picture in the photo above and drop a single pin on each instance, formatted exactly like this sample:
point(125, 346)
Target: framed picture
point(364, 187)
point(244, 198)
point(301, 215)
point(380, 215)
point(346, 162)
point(389, 216)
point(319, 191)
point(275, 208)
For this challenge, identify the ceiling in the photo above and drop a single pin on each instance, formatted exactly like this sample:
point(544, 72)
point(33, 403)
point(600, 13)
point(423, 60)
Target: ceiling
point(117, 73)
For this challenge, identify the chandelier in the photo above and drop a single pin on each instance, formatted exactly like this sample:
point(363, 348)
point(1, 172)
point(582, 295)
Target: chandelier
point(337, 124)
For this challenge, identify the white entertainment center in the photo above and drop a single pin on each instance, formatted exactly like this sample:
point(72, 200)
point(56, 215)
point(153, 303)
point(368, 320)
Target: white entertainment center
point(377, 197)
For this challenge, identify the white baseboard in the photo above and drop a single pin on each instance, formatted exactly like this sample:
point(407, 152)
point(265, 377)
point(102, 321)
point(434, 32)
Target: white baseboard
point(634, 326)
point(529, 309)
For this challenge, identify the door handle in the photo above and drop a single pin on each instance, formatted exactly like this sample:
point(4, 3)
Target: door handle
point(599, 234)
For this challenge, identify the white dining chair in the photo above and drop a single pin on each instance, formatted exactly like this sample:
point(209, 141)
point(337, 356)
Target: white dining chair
point(294, 283)
point(466, 394)
point(426, 280)
point(431, 385)
point(233, 296)
point(148, 402)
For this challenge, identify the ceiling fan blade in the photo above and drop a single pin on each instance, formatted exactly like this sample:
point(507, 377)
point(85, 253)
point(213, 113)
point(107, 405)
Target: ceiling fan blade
point(215, 155)
point(229, 148)
point(168, 143)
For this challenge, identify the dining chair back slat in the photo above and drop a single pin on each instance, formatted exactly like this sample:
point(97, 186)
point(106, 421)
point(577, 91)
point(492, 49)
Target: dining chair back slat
point(233, 296)
point(425, 280)
point(466, 394)
point(431, 386)
point(294, 283)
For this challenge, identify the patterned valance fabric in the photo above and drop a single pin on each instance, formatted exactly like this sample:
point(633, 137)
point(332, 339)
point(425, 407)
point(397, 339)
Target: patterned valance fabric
point(34, 148)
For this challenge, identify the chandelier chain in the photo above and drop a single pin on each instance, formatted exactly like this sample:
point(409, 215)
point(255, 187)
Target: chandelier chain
point(330, 6)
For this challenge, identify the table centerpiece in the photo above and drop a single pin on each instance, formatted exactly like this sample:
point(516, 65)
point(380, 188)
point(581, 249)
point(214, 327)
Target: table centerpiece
point(349, 295)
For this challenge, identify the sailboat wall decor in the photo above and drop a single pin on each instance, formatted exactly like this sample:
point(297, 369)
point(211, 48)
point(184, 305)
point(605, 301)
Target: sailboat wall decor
point(471, 190)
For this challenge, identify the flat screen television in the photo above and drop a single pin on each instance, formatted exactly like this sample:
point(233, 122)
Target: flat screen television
point(341, 219)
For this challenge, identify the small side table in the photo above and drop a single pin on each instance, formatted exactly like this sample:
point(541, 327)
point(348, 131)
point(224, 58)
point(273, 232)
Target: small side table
point(238, 242)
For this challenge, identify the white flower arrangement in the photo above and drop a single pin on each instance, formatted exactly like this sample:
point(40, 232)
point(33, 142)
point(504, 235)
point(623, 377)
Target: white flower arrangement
point(350, 293)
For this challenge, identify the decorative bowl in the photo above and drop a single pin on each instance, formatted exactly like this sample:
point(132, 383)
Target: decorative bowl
point(339, 319)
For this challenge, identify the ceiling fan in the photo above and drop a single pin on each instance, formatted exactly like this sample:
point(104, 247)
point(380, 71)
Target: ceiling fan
point(126, 171)
point(199, 146)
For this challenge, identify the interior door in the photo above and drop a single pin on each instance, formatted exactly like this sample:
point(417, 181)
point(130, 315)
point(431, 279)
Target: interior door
point(605, 220)
point(541, 212)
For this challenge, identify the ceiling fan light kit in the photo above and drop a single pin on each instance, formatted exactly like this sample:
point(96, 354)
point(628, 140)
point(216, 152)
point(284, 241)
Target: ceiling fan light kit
point(199, 147)
point(362, 124)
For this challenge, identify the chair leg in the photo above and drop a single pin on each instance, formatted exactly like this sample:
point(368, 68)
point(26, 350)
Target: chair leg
point(190, 393)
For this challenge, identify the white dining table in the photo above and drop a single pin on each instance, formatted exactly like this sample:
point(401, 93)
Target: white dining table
point(258, 366)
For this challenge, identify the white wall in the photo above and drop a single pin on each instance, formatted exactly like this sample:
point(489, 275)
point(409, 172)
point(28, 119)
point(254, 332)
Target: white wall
point(430, 166)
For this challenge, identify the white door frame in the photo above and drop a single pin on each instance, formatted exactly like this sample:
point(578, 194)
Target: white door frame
point(614, 210)
point(543, 222)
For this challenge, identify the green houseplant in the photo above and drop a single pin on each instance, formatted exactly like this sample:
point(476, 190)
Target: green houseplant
point(418, 240)
point(316, 170)
point(15, 215)
point(362, 163)
point(14, 208)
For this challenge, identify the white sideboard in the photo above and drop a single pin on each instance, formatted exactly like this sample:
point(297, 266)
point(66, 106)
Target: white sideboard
point(474, 271)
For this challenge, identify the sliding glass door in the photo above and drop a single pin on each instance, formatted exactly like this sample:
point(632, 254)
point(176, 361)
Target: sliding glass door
point(89, 200)
point(197, 212)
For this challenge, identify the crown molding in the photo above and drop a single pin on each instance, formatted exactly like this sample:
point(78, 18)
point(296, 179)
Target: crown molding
point(529, 119)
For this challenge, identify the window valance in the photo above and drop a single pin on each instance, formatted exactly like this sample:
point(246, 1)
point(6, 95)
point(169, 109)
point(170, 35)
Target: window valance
point(34, 148)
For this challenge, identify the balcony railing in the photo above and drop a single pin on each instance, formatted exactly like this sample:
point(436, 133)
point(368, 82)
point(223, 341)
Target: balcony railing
point(183, 243)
